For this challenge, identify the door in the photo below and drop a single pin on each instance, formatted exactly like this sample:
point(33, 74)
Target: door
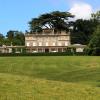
point(46, 50)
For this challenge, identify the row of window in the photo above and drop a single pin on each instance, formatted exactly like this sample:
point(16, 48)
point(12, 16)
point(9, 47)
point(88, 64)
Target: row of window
point(49, 38)
point(47, 44)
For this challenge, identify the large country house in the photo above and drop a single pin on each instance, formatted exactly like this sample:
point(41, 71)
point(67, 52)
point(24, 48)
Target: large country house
point(47, 41)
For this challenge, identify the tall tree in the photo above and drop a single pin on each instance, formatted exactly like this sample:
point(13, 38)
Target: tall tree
point(19, 38)
point(82, 31)
point(15, 38)
point(96, 16)
point(1, 39)
point(56, 20)
point(95, 40)
point(94, 44)
point(10, 35)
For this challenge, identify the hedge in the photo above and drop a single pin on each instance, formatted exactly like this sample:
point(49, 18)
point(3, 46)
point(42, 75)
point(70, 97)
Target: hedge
point(93, 51)
point(41, 54)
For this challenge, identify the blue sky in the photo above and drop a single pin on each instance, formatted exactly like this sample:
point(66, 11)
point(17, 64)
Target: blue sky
point(15, 14)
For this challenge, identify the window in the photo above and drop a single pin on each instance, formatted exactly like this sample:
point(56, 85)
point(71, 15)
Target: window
point(46, 43)
point(54, 43)
point(40, 43)
point(66, 43)
point(34, 44)
point(27, 44)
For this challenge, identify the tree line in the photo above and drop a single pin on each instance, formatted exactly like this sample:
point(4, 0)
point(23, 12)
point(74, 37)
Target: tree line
point(85, 32)
point(12, 38)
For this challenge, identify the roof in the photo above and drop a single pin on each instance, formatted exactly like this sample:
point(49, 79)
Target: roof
point(78, 46)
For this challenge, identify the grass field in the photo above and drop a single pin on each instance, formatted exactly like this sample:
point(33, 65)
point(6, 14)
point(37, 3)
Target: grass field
point(50, 78)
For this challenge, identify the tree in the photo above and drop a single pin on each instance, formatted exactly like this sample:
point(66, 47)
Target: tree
point(15, 38)
point(55, 20)
point(19, 38)
point(82, 31)
point(1, 39)
point(96, 16)
point(94, 44)
point(10, 35)
point(95, 41)
point(7, 41)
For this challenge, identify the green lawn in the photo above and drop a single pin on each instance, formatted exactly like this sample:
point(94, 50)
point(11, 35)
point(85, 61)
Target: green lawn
point(50, 78)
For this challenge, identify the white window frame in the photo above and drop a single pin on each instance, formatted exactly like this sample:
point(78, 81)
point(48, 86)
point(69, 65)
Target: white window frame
point(54, 44)
point(34, 44)
point(66, 43)
point(28, 44)
point(47, 44)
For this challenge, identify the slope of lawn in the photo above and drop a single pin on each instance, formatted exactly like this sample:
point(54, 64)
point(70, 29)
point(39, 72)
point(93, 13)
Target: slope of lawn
point(50, 78)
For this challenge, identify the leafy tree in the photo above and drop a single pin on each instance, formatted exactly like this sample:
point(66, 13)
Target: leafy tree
point(19, 38)
point(10, 35)
point(15, 38)
point(95, 40)
point(96, 16)
point(1, 39)
point(83, 30)
point(7, 41)
point(55, 20)
point(94, 44)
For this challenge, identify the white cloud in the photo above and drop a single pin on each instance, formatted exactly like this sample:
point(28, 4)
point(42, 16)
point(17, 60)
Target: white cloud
point(81, 10)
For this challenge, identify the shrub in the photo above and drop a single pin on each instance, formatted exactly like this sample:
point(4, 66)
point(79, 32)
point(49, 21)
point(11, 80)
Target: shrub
point(93, 51)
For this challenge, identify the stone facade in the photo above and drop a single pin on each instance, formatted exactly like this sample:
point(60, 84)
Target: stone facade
point(47, 41)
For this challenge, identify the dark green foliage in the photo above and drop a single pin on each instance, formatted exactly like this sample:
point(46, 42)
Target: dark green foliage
point(95, 40)
point(96, 51)
point(88, 51)
point(15, 38)
point(10, 35)
point(96, 16)
point(92, 51)
point(94, 44)
point(1, 39)
point(68, 53)
point(82, 31)
point(37, 54)
point(55, 20)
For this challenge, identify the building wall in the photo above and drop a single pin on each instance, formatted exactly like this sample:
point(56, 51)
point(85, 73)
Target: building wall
point(48, 41)
point(62, 39)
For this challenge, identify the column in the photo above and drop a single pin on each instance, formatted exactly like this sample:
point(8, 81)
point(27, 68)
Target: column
point(56, 49)
point(43, 50)
point(15, 50)
point(37, 49)
point(21, 50)
point(49, 49)
point(62, 50)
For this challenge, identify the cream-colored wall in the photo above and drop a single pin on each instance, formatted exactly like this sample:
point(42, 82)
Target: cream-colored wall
point(47, 40)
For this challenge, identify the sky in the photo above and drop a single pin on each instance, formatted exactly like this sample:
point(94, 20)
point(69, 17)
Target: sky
point(15, 14)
